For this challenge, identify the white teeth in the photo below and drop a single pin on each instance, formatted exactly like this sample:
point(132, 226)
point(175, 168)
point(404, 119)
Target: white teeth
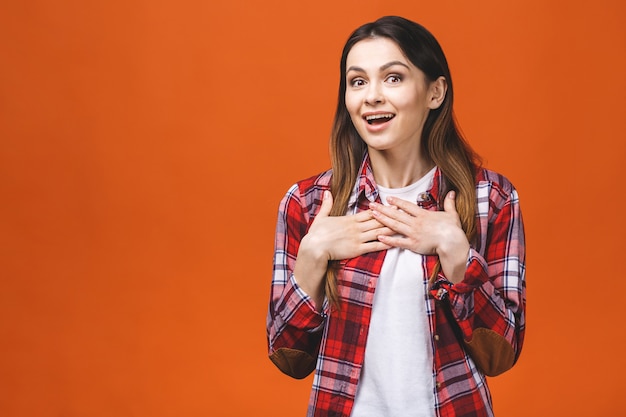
point(379, 116)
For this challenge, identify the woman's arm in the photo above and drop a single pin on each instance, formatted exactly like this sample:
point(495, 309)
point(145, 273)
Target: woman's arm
point(293, 322)
point(297, 309)
point(486, 290)
point(489, 303)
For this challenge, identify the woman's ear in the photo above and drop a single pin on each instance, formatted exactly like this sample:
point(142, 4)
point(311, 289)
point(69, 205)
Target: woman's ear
point(437, 92)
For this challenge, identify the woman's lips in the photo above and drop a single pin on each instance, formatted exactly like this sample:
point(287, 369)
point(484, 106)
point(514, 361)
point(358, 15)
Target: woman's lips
point(376, 118)
point(375, 122)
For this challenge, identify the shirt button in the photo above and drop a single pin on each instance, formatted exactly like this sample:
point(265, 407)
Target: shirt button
point(436, 337)
point(438, 385)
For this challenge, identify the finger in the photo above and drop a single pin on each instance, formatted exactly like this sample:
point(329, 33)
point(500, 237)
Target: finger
point(393, 241)
point(374, 246)
point(376, 233)
point(404, 205)
point(384, 213)
point(449, 204)
point(393, 218)
point(371, 224)
point(403, 242)
point(399, 223)
point(327, 204)
point(363, 216)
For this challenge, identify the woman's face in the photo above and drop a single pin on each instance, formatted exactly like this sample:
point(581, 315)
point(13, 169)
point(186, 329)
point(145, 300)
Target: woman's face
point(388, 98)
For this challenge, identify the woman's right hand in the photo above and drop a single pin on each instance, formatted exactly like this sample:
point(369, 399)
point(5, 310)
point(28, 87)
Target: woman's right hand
point(334, 238)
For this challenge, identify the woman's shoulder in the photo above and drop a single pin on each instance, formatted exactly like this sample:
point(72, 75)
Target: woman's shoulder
point(321, 180)
point(314, 185)
point(495, 186)
point(308, 192)
point(485, 175)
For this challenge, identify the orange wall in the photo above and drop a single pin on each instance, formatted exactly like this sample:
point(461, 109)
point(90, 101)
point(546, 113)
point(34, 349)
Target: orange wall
point(144, 147)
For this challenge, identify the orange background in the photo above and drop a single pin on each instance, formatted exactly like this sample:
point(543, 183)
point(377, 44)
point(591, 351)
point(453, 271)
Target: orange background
point(145, 146)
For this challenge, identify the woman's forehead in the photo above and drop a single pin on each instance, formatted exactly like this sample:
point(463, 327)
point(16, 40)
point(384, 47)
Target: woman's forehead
point(375, 52)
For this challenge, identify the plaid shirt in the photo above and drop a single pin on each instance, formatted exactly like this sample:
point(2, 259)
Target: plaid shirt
point(477, 325)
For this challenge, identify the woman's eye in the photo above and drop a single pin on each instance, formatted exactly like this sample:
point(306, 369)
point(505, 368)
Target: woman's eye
point(357, 82)
point(393, 79)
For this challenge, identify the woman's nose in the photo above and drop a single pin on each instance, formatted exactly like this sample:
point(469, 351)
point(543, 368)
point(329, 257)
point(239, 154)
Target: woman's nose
point(374, 94)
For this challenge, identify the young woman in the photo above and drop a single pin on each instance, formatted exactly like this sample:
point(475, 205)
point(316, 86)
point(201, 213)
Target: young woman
point(398, 274)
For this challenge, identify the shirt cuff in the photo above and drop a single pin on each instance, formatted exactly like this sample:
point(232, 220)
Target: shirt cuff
point(297, 308)
point(475, 273)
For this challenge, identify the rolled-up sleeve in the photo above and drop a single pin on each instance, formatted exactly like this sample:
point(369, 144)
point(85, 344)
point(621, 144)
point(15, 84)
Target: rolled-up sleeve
point(293, 324)
point(489, 304)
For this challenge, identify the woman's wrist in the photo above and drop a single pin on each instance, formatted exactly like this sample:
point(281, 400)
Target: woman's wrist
point(310, 270)
point(453, 257)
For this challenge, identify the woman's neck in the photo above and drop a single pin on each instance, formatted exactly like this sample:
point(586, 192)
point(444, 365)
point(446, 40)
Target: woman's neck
point(396, 170)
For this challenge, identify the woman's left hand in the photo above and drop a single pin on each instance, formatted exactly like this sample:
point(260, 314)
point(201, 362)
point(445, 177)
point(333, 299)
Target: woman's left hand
point(427, 232)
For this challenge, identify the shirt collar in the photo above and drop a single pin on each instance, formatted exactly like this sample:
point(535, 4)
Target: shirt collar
point(366, 188)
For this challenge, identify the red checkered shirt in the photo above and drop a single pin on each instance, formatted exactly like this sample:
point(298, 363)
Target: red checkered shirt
point(477, 326)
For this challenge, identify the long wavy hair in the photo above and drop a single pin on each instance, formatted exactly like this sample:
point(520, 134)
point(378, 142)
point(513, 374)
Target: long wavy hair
point(441, 141)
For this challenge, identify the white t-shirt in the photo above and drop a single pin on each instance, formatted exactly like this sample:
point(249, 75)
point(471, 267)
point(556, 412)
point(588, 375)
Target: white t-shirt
point(397, 375)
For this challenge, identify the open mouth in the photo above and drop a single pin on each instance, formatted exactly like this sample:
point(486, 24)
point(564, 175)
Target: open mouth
point(376, 119)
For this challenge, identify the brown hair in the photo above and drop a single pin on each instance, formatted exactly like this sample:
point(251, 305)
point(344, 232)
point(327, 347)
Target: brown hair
point(441, 142)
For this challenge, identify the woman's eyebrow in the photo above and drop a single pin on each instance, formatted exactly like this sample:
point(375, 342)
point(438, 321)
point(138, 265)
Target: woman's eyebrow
point(382, 68)
point(392, 63)
point(354, 68)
